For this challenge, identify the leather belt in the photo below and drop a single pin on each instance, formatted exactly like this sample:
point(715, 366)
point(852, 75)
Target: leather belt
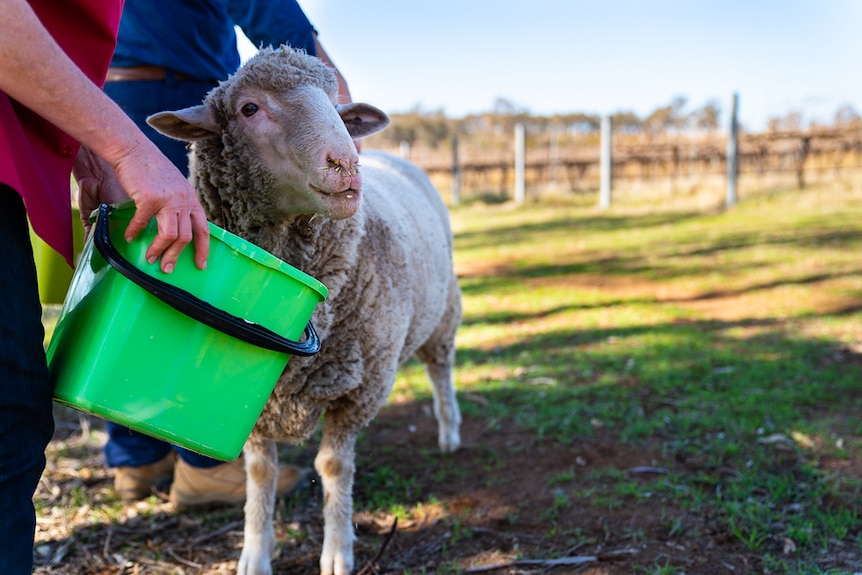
point(133, 73)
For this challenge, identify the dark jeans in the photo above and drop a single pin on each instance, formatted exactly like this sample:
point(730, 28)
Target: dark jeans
point(26, 421)
point(141, 99)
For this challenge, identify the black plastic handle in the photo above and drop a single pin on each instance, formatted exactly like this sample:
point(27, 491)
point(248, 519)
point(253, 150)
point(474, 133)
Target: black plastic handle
point(196, 308)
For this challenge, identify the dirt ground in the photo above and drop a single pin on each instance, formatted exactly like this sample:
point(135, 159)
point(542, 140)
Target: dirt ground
point(491, 516)
point(489, 508)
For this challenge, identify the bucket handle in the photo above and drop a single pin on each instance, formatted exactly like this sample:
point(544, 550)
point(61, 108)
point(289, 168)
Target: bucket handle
point(196, 308)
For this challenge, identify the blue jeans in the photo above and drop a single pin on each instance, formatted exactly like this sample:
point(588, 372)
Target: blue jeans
point(141, 99)
point(26, 421)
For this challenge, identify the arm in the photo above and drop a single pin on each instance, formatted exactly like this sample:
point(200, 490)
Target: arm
point(343, 90)
point(37, 73)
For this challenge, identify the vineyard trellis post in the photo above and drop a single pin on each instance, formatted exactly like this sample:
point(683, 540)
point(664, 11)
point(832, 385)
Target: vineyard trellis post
point(605, 163)
point(455, 198)
point(520, 153)
point(733, 151)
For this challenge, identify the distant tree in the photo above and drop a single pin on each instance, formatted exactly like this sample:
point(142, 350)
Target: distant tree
point(506, 114)
point(430, 128)
point(790, 122)
point(475, 123)
point(506, 107)
point(435, 128)
point(846, 116)
point(401, 129)
point(576, 122)
point(667, 117)
point(706, 117)
point(626, 122)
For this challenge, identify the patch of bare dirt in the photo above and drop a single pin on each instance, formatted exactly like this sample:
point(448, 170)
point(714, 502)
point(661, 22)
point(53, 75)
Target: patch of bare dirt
point(506, 503)
point(492, 507)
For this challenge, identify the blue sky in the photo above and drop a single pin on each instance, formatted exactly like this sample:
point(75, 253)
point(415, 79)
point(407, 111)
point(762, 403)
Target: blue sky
point(601, 56)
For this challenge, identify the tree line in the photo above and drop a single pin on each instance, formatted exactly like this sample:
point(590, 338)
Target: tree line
point(434, 128)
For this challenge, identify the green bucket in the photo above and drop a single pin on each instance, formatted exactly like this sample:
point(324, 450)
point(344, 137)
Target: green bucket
point(189, 357)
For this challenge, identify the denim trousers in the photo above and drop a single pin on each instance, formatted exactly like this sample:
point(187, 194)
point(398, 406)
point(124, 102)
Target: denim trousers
point(141, 99)
point(26, 420)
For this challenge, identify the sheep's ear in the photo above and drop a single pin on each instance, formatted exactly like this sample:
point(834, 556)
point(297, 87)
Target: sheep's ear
point(189, 124)
point(362, 120)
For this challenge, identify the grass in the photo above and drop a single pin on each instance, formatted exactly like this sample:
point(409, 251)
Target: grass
point(729, 341)
point(725, 345)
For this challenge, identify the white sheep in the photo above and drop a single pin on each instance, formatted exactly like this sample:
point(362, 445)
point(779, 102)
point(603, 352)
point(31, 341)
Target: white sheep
point(272, 153)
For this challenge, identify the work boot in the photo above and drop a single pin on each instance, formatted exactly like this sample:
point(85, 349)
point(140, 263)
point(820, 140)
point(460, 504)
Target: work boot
point(225, 483)
point(132, 483)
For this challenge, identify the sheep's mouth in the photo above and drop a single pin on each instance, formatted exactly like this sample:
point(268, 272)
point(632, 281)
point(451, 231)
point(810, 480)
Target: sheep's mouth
point(348, 194)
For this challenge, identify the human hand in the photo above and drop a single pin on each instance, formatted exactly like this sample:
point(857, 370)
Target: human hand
point(35, 71)
point(96, 184)
point(159, 189)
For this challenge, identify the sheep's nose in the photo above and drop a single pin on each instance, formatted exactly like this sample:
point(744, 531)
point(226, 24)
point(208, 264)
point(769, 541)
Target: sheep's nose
point(345, 167)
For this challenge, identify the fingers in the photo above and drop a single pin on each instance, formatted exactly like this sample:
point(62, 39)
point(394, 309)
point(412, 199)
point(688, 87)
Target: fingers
point(138, 223)
point(88, 191)
point(175, 231)
point(160, 190)
point(174, 234)
point(201, 234)
point(86, 223)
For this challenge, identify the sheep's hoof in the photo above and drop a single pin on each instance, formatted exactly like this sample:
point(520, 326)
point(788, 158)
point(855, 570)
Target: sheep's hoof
point(449, 443)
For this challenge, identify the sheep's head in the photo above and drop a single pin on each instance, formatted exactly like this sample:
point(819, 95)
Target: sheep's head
point(275, 126)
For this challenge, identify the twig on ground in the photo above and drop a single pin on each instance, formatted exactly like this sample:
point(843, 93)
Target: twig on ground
point(506, 534)
point(107, 546)
point(218, 532)
point(648, 470)
point(618, 553)
point(369, 567)
point(578, 545)
point(185, 562)
point(143, 533)
point(577, 560)
point(61, 551)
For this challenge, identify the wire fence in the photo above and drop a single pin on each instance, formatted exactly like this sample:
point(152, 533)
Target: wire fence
point(643, 168)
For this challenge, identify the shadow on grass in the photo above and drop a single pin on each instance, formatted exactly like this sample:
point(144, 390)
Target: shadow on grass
point(618, 443)
point(685, 444)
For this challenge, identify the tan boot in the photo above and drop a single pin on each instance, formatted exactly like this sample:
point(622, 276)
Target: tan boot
point(132, 483)
point(225, 483)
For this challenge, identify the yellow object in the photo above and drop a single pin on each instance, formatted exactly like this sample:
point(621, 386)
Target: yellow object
point(52, 271)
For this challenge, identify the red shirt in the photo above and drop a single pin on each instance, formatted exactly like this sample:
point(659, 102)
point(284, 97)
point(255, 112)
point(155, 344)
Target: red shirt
point(36, 157)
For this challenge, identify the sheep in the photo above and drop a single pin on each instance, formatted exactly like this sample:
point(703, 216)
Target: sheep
point(274, 161)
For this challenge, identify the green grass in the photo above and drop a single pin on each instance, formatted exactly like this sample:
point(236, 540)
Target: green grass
point(728, 340)
point(728, 343)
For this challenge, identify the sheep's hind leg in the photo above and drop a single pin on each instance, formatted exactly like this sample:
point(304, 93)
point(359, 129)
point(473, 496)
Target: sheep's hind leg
point(261, 464)
point(438, 355)
point(335, 465)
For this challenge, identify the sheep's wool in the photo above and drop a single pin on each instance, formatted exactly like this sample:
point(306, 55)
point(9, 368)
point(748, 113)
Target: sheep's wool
point(277, 70)
point(393, 293)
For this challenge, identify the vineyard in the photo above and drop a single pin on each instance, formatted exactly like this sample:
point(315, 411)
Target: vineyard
point(646, 166)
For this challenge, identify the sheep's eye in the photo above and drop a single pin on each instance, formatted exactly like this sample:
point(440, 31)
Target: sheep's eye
point(249, 110)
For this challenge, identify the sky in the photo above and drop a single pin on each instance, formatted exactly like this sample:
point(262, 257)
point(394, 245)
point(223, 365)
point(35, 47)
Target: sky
point(598, 57)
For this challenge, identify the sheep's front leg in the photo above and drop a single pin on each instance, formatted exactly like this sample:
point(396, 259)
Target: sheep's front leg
point(335, 465)
point(261, 465)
